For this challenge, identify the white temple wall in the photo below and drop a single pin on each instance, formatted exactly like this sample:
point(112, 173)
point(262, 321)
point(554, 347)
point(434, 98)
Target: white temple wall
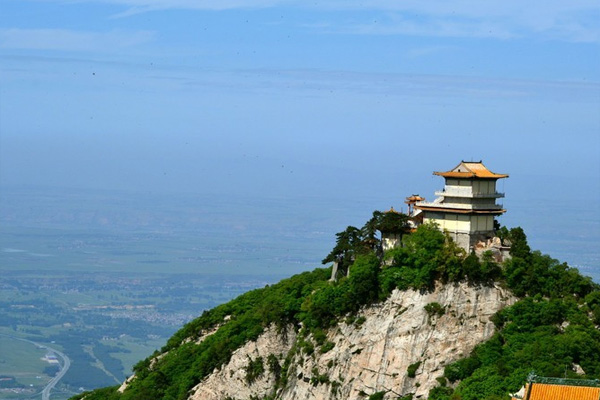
point(477, 186)
point(451, 222)
point(482, 223)
point(465, 230)
point(484, 186)
point(465, 200)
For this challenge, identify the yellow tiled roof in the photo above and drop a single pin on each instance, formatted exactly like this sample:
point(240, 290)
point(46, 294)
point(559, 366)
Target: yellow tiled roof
point(542, 391)
point(470, 169)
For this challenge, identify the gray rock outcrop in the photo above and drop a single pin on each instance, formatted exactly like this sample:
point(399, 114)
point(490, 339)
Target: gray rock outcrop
point(371, 354)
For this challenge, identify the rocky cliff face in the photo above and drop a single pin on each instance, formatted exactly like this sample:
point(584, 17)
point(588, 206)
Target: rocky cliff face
point(410, 331)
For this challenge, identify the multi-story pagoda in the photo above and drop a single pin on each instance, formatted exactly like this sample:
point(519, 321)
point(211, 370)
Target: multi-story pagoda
point(467, 206)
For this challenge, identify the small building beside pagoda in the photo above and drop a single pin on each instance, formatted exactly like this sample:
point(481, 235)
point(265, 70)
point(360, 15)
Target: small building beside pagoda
point(393, 226)
point(466, 207)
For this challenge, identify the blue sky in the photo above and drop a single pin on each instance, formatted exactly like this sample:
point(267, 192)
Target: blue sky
point(287, 97)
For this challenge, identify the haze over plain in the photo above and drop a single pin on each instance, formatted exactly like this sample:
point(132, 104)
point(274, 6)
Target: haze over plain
point(340, 100)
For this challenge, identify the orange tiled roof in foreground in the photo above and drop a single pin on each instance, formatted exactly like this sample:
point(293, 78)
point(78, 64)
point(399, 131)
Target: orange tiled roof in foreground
point(471, 169)
point(544, 391)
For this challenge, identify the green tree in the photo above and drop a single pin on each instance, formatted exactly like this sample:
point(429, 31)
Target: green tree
point(349, 244)
point(391, 221)
point(345, 245)
point(423, 253)
point(490, 270)
point(519, 246)
point(363, 280)
point(451, 260)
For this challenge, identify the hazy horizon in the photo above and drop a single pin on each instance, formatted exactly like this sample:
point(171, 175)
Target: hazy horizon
point(340, 101)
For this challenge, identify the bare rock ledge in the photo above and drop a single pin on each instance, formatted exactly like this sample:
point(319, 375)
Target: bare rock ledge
point(373, 356)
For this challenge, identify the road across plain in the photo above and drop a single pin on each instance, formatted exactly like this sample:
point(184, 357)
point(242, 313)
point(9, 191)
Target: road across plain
point(66, 364)
point(63, 370)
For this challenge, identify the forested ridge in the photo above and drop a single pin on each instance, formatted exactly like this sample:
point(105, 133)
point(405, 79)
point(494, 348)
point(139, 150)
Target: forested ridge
point(551, 330)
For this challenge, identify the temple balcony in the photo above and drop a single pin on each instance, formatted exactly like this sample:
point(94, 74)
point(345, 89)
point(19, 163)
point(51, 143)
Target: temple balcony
point(446, 205)
point(467, 192)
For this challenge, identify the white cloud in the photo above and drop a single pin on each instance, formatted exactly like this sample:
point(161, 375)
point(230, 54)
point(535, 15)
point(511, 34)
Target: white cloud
point(141, 6)
point(70, 40)
point(577, 21)
point(572, 20)
point(397, 24)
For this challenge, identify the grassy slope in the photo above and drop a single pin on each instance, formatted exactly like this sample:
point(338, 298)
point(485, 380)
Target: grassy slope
point(549, 330)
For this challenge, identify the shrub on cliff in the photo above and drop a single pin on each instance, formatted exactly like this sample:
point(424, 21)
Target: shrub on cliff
point(532, 334)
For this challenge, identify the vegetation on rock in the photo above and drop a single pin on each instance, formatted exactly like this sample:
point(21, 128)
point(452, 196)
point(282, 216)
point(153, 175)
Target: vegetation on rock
point(411, 371)
point(435, 309)
point(549, 330)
